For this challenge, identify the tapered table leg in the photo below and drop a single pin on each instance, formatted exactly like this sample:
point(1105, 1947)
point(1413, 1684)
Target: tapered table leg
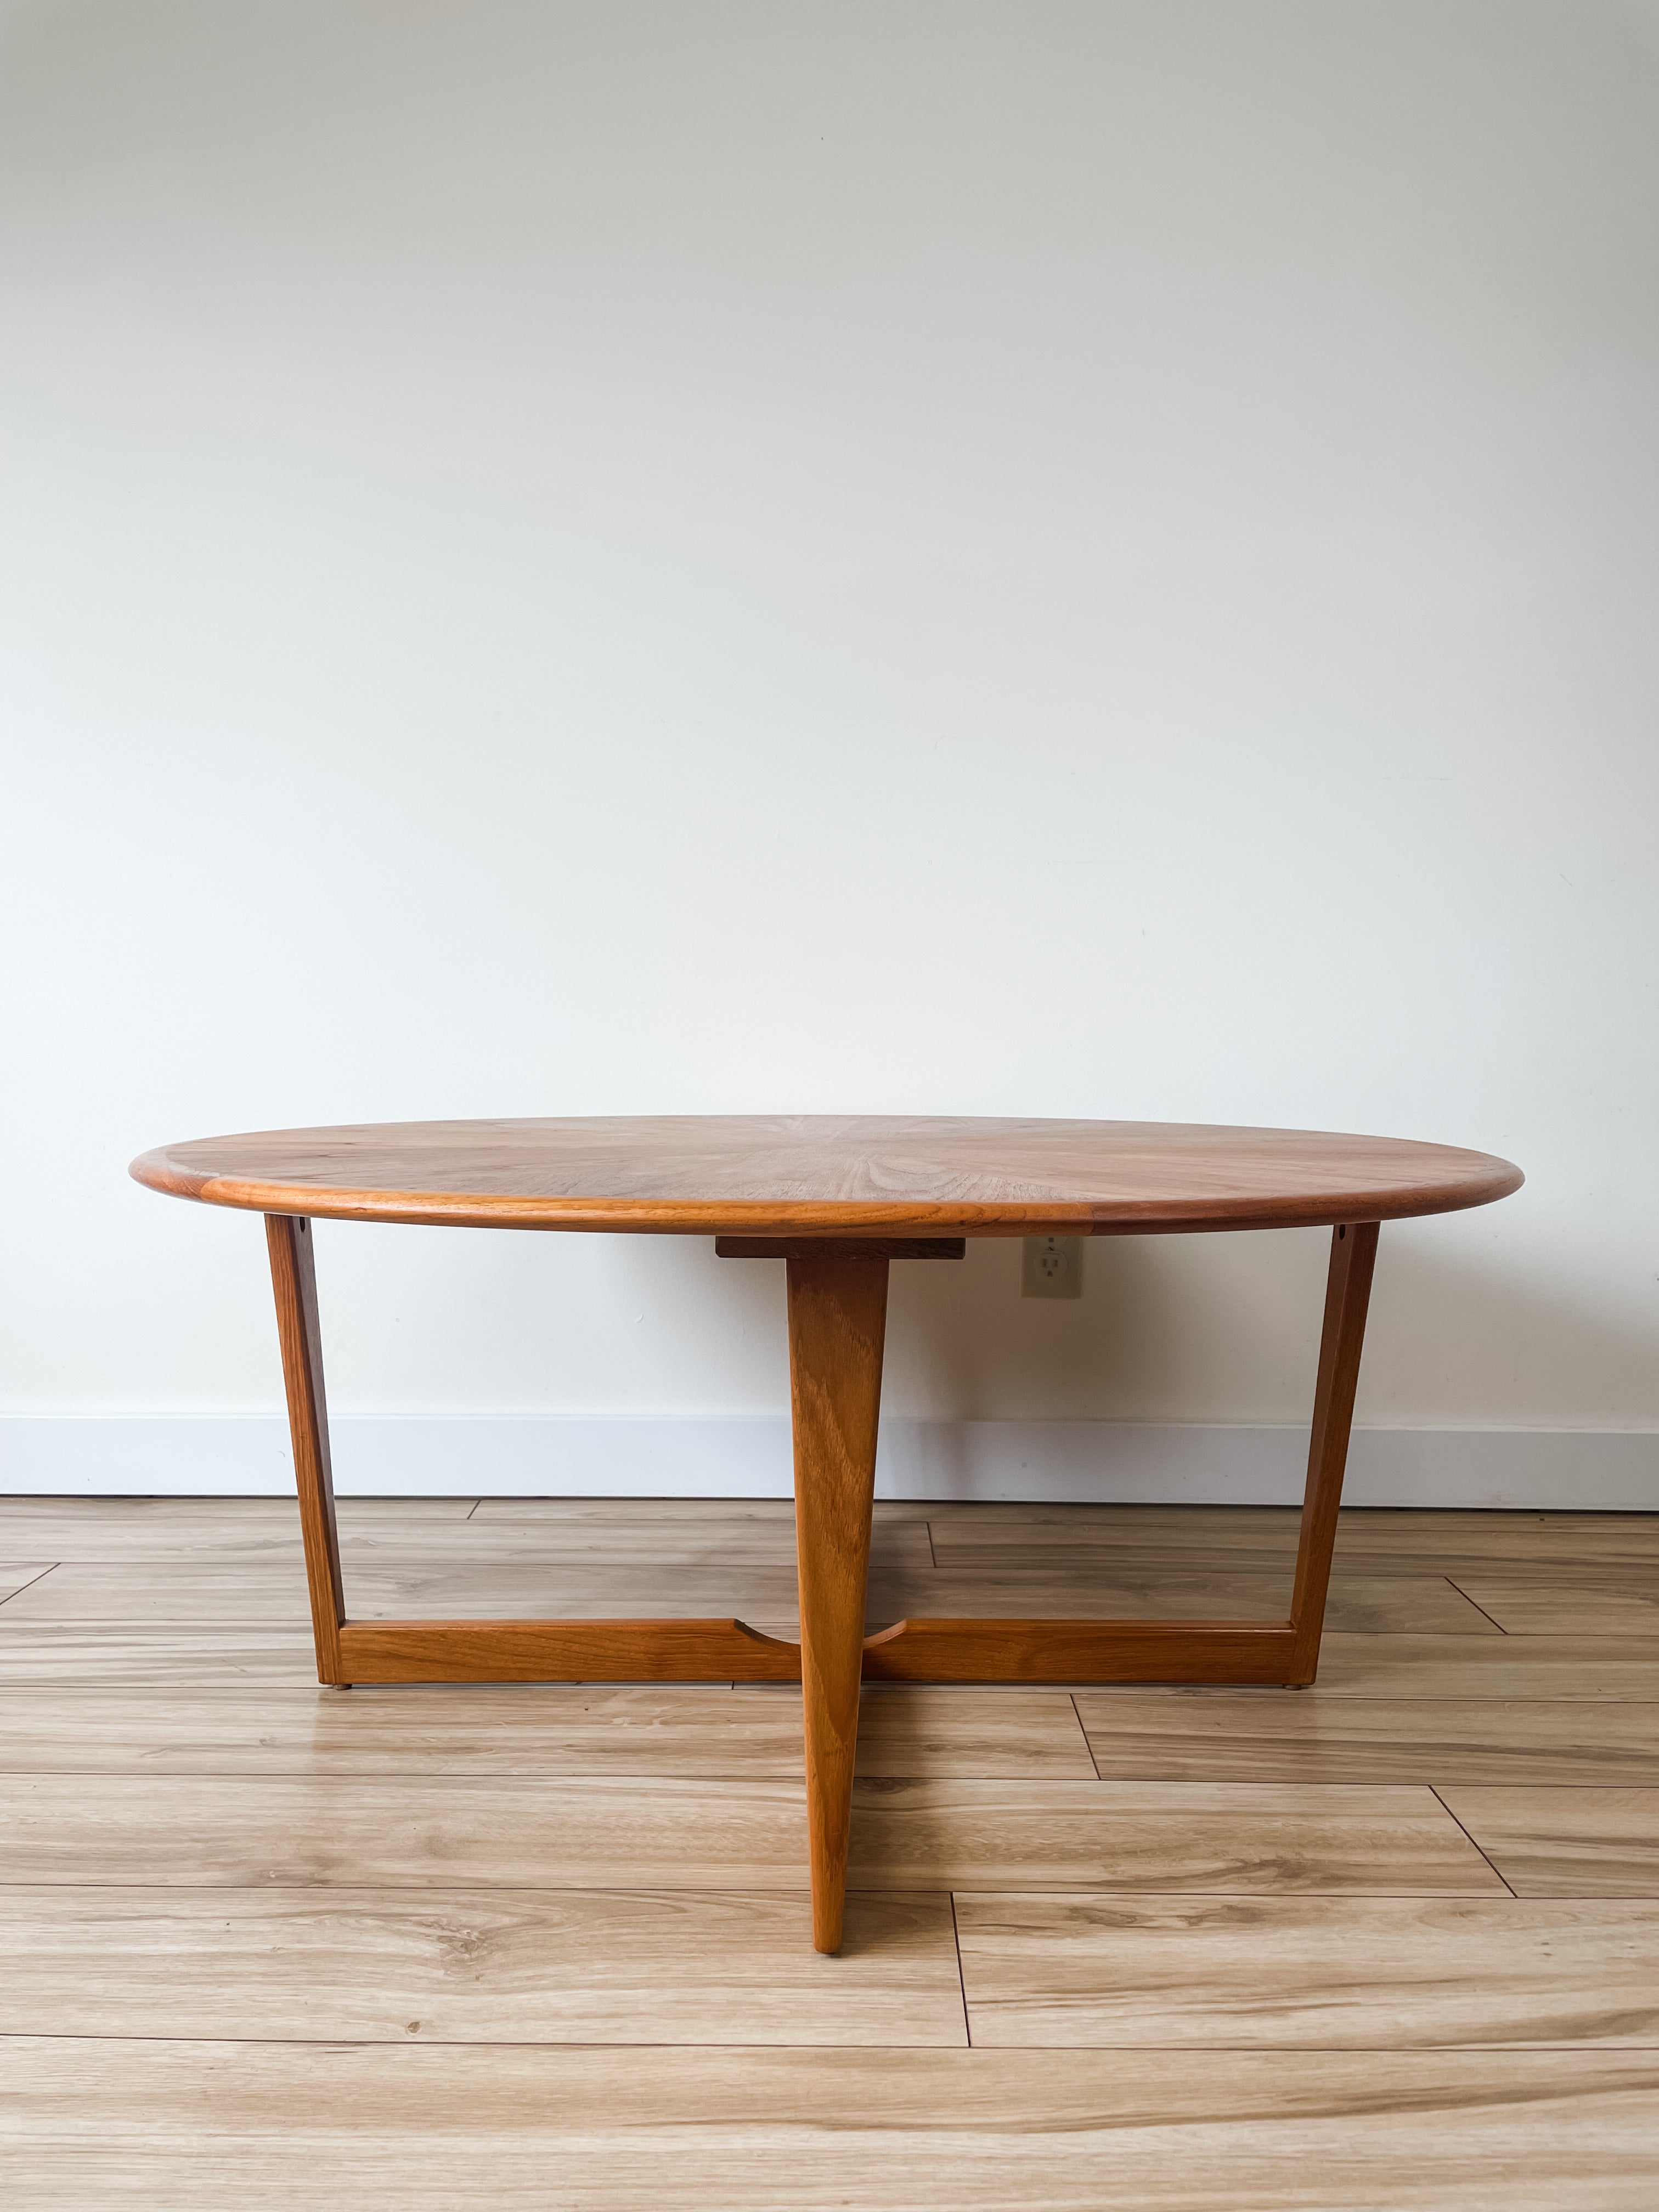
point(1347, 1293)
point(837, 1324)
point(293, 1278)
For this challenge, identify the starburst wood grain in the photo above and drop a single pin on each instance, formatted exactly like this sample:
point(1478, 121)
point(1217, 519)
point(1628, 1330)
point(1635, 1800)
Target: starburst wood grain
point(827, 1175)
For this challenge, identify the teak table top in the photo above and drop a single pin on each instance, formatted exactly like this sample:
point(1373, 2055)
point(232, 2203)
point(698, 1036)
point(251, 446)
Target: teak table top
point(802, 1174)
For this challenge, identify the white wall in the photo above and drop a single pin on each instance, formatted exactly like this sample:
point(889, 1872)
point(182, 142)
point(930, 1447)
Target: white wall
point(1081, 559)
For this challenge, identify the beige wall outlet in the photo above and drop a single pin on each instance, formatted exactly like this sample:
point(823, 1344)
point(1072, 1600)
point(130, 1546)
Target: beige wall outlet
point(1051, 1268)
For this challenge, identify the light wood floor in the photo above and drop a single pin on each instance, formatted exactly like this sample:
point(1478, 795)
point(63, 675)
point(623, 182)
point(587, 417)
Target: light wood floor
point(1389, 1942)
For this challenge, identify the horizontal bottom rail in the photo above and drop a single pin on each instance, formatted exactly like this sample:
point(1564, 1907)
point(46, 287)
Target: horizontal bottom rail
point(1081, 1652)
point(563, 1651)
point(731, 1652)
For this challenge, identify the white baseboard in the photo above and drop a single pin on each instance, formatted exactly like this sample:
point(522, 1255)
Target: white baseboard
point(243, 1455)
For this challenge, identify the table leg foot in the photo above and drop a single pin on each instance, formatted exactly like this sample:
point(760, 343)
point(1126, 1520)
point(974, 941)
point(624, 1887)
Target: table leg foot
point(837, 1324)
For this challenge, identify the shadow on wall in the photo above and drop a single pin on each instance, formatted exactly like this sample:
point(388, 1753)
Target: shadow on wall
point(1205, 1329)
point(1447, 1331)
point(1226, 1328)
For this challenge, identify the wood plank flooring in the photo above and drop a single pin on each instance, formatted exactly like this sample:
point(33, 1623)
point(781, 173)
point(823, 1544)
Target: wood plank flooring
point(1061, 1972)
point(137, 2125)
point(497, 1964)
point(1389, 1942)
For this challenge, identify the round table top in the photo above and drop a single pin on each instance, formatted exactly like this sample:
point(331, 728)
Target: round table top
point(805, 1174)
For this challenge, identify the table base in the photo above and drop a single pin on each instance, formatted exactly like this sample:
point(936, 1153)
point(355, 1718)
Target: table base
point(837, 1316)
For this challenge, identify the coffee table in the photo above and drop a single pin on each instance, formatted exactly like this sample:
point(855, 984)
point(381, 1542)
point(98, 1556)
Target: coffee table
point(837, 1198)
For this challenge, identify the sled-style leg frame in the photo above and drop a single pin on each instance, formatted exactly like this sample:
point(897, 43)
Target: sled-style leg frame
point(838, 1290)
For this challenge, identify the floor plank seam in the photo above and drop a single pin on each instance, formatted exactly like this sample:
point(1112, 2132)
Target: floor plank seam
point(962, 1976)
point(52, 1568)
point(1087, 1744)
point(1496, 1869)
point(1478, 1607)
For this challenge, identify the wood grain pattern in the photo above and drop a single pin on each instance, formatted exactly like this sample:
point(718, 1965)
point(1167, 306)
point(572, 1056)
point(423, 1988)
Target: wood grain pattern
point(1566, 1842)
point(1347, 1293)
point(1551, 1545)
point(387, 1586)
point(838, 1329)
point(1306, 1973)
point(657, 1549)
point(1380, 1595)
point(481, 1577)
point(1608, 1606)
point(1620, 1667)
point(192, 1834)
point(824, 1175)
point(1104, 1551)
point(1080, 1542)
point(177, 1530)
point(479, 1966)
point(688, 1651)
point(1614, 1668)
point(173, 2127)
point(592, 1832)
point(1420, 1605)
point(1372, 1542)
point(605, 1646)
point(1041, 1538)
point(589, 1567)
point(530, 1732)
point(660, 1832)
point(1249, 1736)
point(988, 1735)
point(1172, 1836)
point(294, 1279)
point(17, 1576)
point(1053, 1650)
point(163, 1657)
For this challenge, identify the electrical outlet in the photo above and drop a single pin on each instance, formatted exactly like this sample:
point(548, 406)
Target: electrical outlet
point(1051, 1268)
